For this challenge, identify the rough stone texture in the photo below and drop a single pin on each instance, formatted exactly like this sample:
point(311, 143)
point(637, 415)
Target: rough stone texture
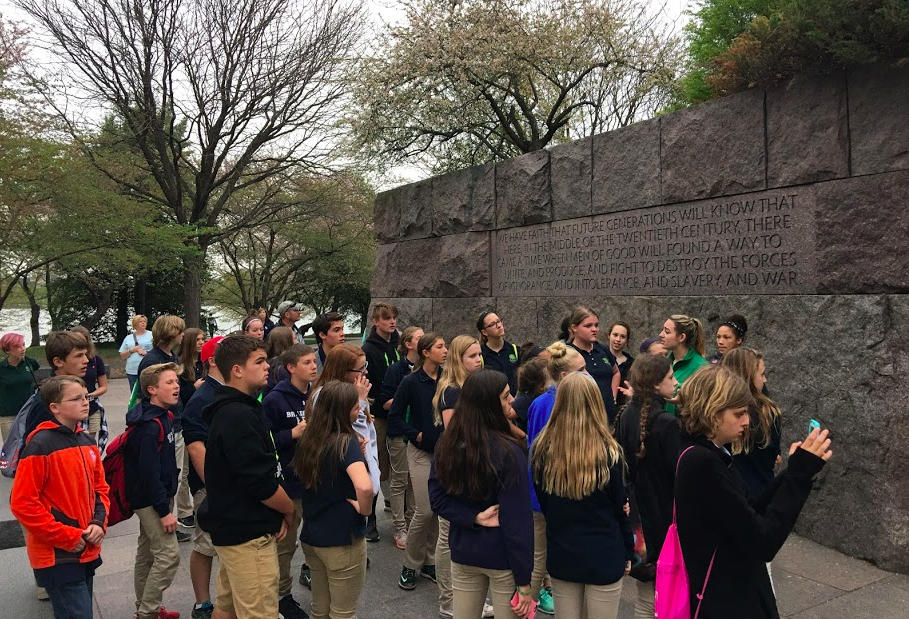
point(452, 317)
point(520, 318)
point(464, 265)
point(807, 131)
point(879, 120)
point(714, 149)
point(863, 227)
point(387, 216)
point(464, 201)
point(522, 190)
point(411, 311)
point(570, 166)
point(416, 210)
point(626, 168)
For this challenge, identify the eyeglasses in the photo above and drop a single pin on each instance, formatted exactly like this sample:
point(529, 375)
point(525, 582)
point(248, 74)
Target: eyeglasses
point(362, 370)
point(494, 323)
point(81, 398)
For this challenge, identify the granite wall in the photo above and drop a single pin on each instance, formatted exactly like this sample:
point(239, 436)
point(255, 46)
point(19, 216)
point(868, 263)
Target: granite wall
point(790, 206)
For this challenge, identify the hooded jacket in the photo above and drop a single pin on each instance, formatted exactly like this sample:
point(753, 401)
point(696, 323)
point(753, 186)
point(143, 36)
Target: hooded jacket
point(412, 411)
point(58, 491)
point(151, 467)
point(380, 355)
point(154, 357)
point(393, 377)
point(284, 408)
point(241, 470)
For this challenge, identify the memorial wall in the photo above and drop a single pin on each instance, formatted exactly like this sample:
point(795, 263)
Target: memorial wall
point(789, 206)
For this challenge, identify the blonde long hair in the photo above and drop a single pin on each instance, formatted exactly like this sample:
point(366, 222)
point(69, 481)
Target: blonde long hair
point(453, 373)
point(572, 456)
point(745, 362)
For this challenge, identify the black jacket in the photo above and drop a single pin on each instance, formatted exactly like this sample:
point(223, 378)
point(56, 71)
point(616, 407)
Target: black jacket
point(150, 465)
point(153, 357)
point(380, 355)
point(757, 466)
point(412, 412)
point(714, 513)
point(284, 408)
point(195, 429)
point(393, 377)
point(241, 470)
point(652, 479)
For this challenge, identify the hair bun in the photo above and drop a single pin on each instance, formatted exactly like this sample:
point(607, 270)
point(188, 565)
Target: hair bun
point(558, 349)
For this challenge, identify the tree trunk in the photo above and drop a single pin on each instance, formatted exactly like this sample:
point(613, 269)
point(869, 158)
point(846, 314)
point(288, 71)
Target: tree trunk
point(193, 266)
point(122, 314)
point(34, 320)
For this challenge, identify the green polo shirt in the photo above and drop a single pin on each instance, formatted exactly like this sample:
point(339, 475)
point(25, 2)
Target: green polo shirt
point(17, 384)
point(683, 368)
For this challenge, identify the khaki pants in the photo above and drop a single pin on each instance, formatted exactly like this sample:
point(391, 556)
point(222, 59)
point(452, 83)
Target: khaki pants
point(183, 498)
point(157, 560)
point(248, 579)
point(286, 549)
point(201, 540)
point(338, 576)
point(381, 439)
point(424, 526)
point(443, 566)
point(401, 490)
point(469, 586)
point(576, 601)
point(643, 604)
point(539, 555)
point(5, 424)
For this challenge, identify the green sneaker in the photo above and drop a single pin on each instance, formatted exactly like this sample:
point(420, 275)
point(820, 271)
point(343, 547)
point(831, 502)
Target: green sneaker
point(546, 604)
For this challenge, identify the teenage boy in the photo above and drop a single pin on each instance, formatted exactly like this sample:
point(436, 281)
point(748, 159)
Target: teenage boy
point(195, 433)
point(67, 355)
point(381, 350)
point(285, 412)
point(329, 330)
point(498, 353)
point(289, 316)
point(246, 511)
point(60, 497)
point(151, 483)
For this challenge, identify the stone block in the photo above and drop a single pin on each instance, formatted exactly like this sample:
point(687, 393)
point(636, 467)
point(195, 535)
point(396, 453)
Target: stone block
point(463, 265)
point(411, 312)
point(863, 224)
point(523, 191)
point(714, 149)
point(570, 168)
point(458, 316)
point(520, 318)
point(403, 270)
point(464, 201)
point(387, 216)
point(626, 168)
point(879, 119)
point(807, 131)
point(415, 202)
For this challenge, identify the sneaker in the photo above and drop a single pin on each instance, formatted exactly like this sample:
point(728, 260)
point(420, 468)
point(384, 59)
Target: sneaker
point(187, 521)
point(183, 537)
point(41, 593)
point(163, 613)
point(429, 571)
point(488, 611)
point(203, 610)
point(401, 540)
point(546, 604)
point(408, 580)
point(288, 608)
point(305, 576)
point(372, 532)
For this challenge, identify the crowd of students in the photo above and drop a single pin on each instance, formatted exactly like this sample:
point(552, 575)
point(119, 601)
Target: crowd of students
point(519, 478)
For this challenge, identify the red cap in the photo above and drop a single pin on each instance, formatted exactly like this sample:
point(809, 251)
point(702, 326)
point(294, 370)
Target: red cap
point(208, 348)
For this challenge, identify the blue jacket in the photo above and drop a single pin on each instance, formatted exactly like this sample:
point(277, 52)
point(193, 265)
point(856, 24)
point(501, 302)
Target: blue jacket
point(153, 357)
point(195, 429)
point(506, 547)
point(393, 377)
point(412, 413)
point(537, 417)
point(151, 467)
point(284, 407)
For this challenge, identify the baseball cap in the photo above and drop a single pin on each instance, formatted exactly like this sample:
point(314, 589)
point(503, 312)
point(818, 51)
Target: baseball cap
point(285, 306)
point(208, 348)
point(648, 343)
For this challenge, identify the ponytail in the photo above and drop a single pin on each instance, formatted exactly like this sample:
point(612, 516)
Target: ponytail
point(693, 329)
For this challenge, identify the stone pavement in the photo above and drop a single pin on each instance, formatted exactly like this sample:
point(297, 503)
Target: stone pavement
point(812, 582)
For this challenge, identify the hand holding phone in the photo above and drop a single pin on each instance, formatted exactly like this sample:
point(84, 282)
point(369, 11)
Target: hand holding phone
point(523, 605)
point(813, 425)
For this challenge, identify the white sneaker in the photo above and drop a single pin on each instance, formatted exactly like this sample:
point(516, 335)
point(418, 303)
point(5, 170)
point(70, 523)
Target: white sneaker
point(488, 611)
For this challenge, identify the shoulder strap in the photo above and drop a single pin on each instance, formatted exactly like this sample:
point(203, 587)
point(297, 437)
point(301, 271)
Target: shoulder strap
point(135, 339)
point(704, 588)
point(31, 370)
point(678, 462)
point(161, 430)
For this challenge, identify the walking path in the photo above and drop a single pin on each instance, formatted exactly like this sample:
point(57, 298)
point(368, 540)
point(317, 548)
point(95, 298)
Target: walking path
point(812, 582)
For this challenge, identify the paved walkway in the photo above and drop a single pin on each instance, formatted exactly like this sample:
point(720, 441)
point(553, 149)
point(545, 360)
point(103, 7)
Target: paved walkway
point(812, 582)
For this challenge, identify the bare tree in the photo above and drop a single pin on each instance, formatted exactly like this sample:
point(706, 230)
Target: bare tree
point(220, 97)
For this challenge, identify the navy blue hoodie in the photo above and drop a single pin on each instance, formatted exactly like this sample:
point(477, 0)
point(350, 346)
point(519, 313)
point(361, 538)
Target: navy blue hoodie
point(154, 357)
point(412, 412)
point(380, 355)
point(151, 466)
point(195, 429)
point(284, 408)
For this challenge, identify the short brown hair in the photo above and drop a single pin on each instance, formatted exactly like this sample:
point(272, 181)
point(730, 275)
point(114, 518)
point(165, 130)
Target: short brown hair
point(235, 350)
point(706, 394)
point(60, 344)
point(293, 354)
point(167, 329)
point(53, 387)
point(384, 309)
point(151, 375)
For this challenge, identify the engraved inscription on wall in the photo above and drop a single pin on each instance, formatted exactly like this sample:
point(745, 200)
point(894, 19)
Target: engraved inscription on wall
point(759, 243)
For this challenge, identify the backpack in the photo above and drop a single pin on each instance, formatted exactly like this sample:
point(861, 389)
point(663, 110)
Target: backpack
point(14, 440)
point(671, 596)
point(114, 464)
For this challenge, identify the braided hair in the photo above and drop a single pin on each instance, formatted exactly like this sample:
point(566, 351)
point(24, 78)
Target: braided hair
point(646, 373)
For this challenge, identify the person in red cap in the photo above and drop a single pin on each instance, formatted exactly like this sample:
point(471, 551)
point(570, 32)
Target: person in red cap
point(195, 433)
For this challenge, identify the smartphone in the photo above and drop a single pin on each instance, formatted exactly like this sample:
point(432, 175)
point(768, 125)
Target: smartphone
point(813, 425)
point(533, 606)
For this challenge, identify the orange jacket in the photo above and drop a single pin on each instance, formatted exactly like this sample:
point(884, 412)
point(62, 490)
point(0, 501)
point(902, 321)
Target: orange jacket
point(59, 490)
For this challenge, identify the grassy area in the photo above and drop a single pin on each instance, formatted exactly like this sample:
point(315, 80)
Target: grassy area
point(108, 352)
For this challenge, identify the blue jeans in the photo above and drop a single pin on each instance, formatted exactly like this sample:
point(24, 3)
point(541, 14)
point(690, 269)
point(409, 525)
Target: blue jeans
point(72, 600)
point(132, 378)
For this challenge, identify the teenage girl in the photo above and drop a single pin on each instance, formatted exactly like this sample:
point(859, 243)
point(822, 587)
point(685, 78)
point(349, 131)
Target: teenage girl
point(583, 327)
point(280, 339)
point(729, 336)
point(498, 353)
point(532, 382)
point(619, 333)
point(254, 327)
point(683, 337)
